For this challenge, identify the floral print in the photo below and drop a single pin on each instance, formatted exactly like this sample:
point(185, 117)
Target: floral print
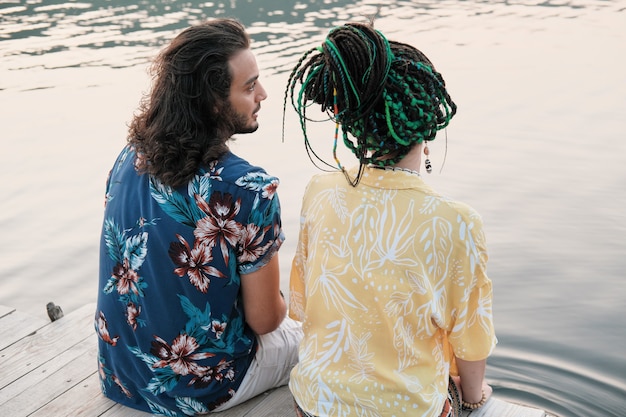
point(389, 280)
point(172, 331)
point(180, 356)
point(219, 225)
point(194, 262)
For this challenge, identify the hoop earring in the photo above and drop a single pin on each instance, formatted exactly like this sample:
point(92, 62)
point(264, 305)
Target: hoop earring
point(427, 165)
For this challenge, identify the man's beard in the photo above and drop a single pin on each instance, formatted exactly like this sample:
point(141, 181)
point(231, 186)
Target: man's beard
point(238, 121)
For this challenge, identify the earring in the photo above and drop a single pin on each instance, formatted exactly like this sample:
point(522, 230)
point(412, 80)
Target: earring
point(427, 165)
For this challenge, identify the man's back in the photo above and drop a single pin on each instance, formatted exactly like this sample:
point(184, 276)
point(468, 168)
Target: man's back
point(171, 325)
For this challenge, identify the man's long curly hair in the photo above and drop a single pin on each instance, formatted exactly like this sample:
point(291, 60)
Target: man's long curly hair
point(181, 124)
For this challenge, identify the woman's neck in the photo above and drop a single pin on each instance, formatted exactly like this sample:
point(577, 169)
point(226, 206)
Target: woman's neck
point(413, 159)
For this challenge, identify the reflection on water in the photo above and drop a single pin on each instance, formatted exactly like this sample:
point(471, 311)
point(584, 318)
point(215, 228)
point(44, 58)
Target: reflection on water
point(88, 34)
point(565, 382)
point(40, 28)
point(536, 148)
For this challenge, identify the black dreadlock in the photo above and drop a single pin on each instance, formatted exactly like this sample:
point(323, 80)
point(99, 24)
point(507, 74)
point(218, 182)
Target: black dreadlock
point(385, 94)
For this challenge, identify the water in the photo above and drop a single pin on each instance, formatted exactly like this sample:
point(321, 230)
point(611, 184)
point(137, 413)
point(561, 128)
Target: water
point(536, 148)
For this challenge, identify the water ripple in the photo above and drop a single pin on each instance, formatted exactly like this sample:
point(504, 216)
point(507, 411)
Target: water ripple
point(563, 387)
point(45, 28)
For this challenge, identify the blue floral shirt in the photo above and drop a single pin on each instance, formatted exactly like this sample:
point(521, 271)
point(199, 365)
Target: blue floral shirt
point(172, 333)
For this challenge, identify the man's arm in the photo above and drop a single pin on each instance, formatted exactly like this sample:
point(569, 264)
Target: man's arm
point(263, 304)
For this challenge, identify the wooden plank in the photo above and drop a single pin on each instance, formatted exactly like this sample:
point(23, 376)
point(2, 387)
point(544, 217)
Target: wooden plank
point(40, 375)
point(54, 385)
point(15, 325)
point(53, 372)
point(118, 410)
point(4, 310)
point(274, 403)
point(82, 399)
point(279, 403)
point(32, 351)
point(498, 408)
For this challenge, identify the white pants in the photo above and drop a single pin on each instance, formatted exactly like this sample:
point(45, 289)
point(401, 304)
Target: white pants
point(277, 354)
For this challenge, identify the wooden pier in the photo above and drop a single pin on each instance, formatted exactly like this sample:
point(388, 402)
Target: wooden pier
point(49, 369)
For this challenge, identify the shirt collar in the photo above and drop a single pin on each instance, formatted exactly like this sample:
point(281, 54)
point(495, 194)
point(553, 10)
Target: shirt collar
point(388, 179)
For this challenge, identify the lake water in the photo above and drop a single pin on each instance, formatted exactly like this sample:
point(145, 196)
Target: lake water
point(537, 148)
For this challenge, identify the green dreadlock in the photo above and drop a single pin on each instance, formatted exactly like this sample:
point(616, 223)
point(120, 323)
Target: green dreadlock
point(386, 95)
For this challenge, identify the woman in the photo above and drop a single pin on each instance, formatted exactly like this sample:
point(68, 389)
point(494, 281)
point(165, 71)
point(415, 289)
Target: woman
point(389, 277)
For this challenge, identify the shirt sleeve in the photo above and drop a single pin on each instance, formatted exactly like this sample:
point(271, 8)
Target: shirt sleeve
point(262, 235)
point(472, 336)
point(297, 279)
point(297, 286)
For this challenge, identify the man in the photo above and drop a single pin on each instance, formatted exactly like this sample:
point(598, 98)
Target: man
point(190, 316)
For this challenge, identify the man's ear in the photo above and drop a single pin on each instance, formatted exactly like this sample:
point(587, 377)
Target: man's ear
point(219, 106)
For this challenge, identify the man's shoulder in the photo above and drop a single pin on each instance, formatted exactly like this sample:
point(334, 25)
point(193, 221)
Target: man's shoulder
point(237, 172)
point(234, 165)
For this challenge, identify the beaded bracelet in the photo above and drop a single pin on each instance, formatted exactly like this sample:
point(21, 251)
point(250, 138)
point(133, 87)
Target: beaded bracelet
point(474, 406)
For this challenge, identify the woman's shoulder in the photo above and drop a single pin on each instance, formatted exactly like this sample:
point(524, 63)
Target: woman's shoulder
point(333, 178)
point(460, 209)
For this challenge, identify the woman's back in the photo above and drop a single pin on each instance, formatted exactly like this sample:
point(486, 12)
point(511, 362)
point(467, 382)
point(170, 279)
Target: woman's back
point(386, 277)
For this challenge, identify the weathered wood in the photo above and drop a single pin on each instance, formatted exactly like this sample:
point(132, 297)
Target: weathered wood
point(15, 325)
point(275, 403)
point(118, 410)
point(47, 376)
point(50, 369)
point(82, 399)
point(28, 353)
point(4, 310)
point(498, 408)
point(47, 390)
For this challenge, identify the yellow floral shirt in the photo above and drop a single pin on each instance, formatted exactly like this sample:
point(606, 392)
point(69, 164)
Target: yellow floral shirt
point(389, 281)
